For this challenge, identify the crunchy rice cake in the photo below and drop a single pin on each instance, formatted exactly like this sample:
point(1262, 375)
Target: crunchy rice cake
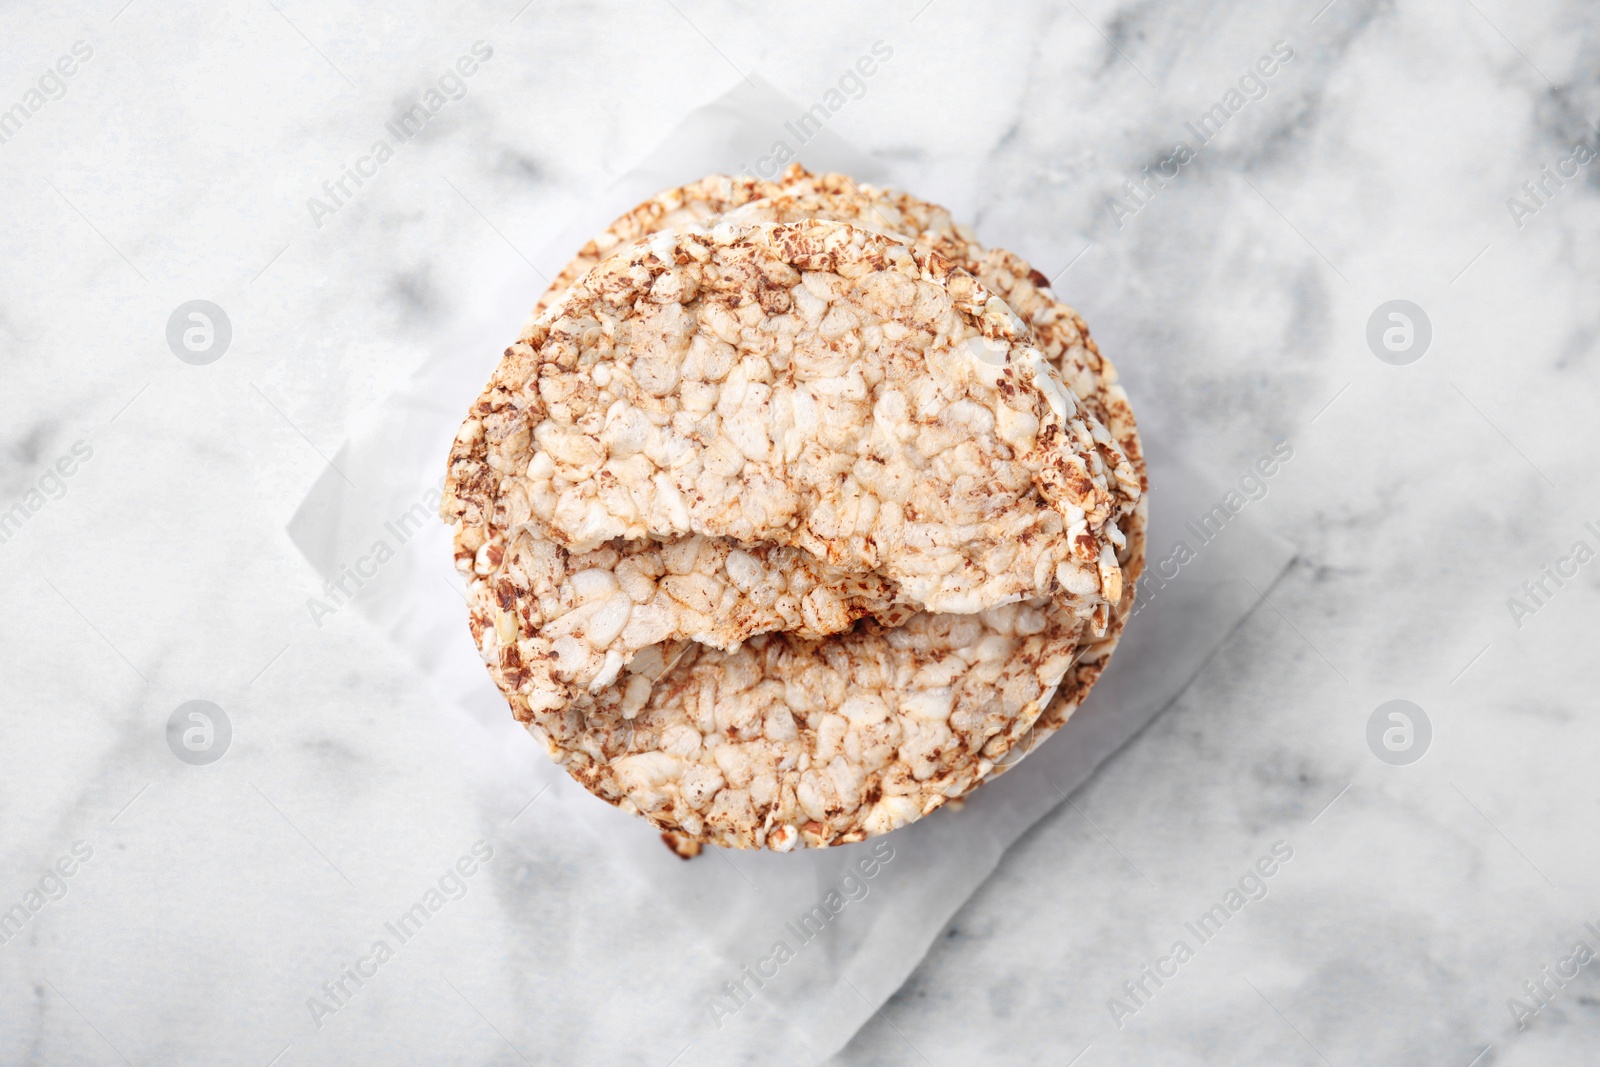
point(732, 507)
point(1059, 331)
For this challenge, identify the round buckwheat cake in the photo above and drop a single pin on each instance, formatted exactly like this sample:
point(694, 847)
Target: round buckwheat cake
point(783, 532)
point(1058, 330)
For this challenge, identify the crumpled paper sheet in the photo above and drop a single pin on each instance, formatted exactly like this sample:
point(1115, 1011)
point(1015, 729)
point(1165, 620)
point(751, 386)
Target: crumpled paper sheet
point(801, 948)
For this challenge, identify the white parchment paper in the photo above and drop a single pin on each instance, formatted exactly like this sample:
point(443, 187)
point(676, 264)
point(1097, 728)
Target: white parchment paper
point(802, 948)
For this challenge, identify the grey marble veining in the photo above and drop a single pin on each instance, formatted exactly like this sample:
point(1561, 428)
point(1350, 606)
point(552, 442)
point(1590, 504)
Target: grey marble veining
point(1410, 151)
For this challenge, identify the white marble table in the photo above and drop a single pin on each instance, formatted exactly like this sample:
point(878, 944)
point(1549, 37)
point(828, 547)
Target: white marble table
point(1367, 153)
